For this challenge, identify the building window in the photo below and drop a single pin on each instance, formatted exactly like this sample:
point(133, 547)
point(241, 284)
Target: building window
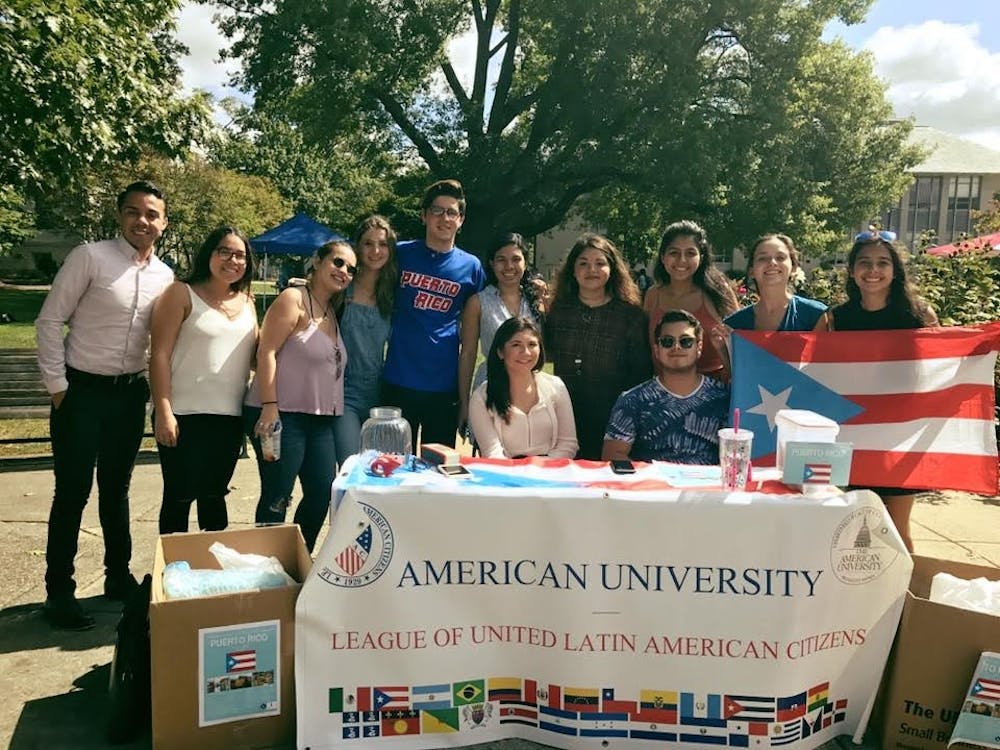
point(963, 199)
point(923, 208)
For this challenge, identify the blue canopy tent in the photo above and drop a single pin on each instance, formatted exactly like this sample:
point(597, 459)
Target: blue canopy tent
point(299, 235)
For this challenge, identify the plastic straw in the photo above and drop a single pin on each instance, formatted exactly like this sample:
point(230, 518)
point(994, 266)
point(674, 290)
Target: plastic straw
point(736, 420)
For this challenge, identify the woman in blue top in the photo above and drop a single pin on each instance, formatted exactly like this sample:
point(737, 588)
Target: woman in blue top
point(365, 328)
point(773, 262)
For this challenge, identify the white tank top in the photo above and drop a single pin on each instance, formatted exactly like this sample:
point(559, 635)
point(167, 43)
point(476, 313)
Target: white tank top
point(210, 365)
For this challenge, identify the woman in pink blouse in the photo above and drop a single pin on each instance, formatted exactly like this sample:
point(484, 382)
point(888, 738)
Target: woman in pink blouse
point(520, 410)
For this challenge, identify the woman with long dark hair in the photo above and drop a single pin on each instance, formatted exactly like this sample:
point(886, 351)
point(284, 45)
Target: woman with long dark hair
point(510, 291)
point(880, 297)
point(520, 410)
point(596, 333)
point(688, 279)
point(204, 331)
point(300, 384)
point(365, 327)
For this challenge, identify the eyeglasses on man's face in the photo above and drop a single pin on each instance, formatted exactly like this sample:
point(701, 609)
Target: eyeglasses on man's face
point(668, 342)
point(451, 213)
point(344, 265)
point(873, 236)
point(237, 256)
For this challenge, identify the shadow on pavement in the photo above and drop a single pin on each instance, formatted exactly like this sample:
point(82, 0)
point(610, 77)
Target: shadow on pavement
point(75, 719)
point(23, 628)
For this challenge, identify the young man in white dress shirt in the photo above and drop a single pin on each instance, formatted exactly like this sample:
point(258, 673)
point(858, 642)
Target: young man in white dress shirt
point(104, 293)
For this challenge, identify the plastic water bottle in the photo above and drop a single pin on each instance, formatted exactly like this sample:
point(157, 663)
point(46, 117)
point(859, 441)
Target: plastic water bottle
point(181, 582)
point(270, 444)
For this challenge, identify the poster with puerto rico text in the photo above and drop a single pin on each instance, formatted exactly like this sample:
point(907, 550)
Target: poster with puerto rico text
point(239, 672)
point(436, 618)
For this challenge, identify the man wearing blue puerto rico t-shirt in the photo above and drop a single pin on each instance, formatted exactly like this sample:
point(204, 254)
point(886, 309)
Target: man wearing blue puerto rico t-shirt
point(436, 280)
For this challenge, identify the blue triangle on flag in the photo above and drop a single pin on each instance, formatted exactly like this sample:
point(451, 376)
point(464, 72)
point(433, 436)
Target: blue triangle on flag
point(762, 380)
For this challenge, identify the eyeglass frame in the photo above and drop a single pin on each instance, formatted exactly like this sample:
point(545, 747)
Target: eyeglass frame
point(685, 342)
point(451, 213)
point(235, 255)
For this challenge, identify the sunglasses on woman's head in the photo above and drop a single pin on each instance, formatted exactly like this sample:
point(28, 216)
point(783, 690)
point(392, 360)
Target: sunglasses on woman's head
point(685, 342)
point(873, 236)
point(341, 263)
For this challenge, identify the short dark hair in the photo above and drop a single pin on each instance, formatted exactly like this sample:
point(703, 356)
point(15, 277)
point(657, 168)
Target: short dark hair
point(451, 188)
point(141, 186)
point(679, 316)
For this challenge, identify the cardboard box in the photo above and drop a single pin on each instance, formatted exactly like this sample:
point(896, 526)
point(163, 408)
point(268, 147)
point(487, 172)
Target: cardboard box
point(195, 667)
point(936, 651)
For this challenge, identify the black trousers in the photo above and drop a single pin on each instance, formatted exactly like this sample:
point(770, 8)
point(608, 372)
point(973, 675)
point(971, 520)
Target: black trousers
point(436, 414)
point(198, 469)
point(99, 423)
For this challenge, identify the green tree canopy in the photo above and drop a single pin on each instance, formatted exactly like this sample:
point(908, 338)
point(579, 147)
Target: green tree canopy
point(84, 84)
point(707, 107)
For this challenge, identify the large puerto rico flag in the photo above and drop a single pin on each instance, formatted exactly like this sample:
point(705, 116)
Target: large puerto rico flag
point(917, 405)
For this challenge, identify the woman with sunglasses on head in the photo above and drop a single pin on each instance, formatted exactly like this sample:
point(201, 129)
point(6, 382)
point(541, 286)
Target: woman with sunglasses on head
point(596, 334)
point(204, 331)
point(687, 279)
point(520, 410)
point(300, 385)
point(365, 327)
point(879, 298)
point(509, 292)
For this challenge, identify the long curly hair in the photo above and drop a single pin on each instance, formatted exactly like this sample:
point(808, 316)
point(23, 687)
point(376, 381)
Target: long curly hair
point(497, 379)
point(707, 276)
point(388, 275)
point(903, 297)
point(620, 285)
point(528, 290)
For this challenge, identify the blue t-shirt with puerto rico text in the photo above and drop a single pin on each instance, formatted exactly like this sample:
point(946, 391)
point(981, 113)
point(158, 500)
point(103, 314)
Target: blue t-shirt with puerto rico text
point(433, 289)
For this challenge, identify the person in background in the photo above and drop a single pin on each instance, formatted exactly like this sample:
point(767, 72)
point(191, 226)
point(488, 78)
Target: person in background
point(204, 333)
point(880, 297)
point(509, 292)
point(676, 415)
point(421, 374)
point(596, 334)
point(104, 293)
point(365, 327)
point(688, 279)
point(300, 383)
point(520, 410)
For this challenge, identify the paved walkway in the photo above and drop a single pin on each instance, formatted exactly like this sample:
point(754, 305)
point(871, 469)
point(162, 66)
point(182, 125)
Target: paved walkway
point(54, 683)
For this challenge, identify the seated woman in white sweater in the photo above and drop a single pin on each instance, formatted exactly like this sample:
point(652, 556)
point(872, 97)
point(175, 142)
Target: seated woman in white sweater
point(520, 410)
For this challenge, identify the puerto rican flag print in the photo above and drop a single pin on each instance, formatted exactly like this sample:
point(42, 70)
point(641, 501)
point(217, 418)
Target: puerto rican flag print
point(241, 661)
point(986, 689)
point(917, 405)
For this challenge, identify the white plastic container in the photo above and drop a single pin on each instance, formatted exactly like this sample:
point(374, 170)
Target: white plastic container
point(802, 425)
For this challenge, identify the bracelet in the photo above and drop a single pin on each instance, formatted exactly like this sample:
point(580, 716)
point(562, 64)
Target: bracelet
point(268, 403)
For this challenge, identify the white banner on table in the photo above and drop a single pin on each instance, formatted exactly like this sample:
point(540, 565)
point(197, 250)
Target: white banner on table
point(435, 618)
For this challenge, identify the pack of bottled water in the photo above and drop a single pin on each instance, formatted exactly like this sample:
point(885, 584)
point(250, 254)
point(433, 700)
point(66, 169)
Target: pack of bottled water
point(240, 572)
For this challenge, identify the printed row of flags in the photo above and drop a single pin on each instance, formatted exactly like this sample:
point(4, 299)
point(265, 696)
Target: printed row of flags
point(661, 715)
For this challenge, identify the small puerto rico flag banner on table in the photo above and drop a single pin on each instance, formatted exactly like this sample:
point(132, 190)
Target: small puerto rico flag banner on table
point(917, 405)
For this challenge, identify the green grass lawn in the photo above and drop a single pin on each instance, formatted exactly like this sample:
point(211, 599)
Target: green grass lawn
point(23, 306)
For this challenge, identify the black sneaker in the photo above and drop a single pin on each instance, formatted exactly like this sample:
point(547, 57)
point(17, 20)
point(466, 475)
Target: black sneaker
point(65, 613)
point(120, 588)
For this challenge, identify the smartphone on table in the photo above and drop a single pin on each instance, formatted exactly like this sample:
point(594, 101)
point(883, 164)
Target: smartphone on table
point(455, 471)
point(621, 466)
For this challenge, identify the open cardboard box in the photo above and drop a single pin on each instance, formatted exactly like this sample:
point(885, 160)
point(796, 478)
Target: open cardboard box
point(204, 680)
point(936, 651)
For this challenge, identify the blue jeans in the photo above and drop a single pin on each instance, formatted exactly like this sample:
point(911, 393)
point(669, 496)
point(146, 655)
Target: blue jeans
point(347, 433)
point(308, 452)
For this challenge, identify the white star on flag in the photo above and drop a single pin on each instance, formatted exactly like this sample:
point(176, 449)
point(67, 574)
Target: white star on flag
point(770, 404)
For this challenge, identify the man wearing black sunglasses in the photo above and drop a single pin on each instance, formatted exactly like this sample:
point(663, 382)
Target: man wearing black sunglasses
point(676, 415)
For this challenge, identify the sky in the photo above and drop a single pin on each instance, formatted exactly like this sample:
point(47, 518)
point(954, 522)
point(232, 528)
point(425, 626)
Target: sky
point(940, 60)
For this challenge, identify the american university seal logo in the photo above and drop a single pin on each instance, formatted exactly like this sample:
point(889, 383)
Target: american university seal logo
point(859, 553)
point(367, 557)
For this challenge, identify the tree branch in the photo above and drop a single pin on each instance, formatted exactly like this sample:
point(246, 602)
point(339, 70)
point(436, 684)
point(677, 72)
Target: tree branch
point(424, 147)
point(499, 118)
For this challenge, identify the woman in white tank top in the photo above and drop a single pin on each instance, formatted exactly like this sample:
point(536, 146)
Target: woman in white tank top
point(204, 333)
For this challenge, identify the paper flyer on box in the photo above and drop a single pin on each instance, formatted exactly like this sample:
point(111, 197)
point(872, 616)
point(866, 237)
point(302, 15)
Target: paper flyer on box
point(239, 672)
point(979, 723)
point(817, 463)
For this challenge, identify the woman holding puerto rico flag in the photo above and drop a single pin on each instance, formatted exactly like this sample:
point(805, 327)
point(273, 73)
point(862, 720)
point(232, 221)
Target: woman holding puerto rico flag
point(880, 297)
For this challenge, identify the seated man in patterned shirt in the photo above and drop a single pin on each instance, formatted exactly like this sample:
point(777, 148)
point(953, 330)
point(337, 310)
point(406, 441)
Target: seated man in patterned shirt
point(676, 415)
